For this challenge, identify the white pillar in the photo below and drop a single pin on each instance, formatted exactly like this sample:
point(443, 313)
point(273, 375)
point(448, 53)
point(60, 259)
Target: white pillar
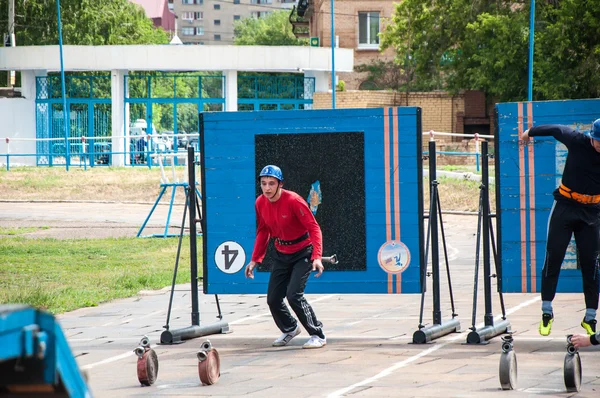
point(26, 123)
point(231, 88)
point(321, 80)
point(119, 115)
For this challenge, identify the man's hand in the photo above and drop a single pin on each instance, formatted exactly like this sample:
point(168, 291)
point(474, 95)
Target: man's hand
point(249, 272)
point(525, 136)
point(317, 266)
point(580, 340)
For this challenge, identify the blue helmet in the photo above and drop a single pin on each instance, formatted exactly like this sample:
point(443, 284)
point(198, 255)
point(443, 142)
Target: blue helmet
point(595, 130)
point(271, 171)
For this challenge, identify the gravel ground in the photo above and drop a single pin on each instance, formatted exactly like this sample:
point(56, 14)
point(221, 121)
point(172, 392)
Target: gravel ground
point(69, 220)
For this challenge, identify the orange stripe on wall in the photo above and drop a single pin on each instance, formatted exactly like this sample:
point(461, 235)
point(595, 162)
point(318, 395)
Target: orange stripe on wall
point(386, 170)
point(522, 198)
point(396, 146)
point(532, 263)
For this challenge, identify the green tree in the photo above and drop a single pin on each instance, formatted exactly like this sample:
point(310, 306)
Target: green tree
point(567, 58)
point(484, 45)
point(85, 22)
point(428, 37)
point(272, 30)
point(493, 57)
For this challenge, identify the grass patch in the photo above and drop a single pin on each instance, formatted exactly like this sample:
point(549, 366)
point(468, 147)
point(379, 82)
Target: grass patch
point(458, 194)
point(122, 184)
point(19, 230)
point(461, 168)
point(63, 275)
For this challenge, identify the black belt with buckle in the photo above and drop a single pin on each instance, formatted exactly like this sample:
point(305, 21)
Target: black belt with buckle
point(292, 242)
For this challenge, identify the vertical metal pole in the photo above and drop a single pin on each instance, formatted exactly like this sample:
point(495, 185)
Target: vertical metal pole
point(531, 41)
point(11, 36)
point(333, 87)
point(487, 280)
point(435, 251)
point(193, 248)
point(7, 154)
point(64, 94)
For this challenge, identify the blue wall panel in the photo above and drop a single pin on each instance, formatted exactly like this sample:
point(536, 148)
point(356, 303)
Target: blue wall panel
point(230, 184)
point(526, 176)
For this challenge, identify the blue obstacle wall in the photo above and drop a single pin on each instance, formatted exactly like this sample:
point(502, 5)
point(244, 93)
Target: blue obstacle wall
point(376, 180)
point(526, 176)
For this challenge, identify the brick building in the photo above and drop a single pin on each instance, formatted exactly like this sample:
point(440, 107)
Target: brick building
point(465, 113)
point(357, 25)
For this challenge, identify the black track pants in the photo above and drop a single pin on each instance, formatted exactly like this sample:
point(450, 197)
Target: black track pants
point(288, 279)
point(584, 222)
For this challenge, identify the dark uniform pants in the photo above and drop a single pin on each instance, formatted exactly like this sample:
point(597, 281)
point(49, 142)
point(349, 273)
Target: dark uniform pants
point(584, 222)
point(288, 280)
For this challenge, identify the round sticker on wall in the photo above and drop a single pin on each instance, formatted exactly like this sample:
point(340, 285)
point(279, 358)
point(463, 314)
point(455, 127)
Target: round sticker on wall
point(393, 257)
point(230, 257)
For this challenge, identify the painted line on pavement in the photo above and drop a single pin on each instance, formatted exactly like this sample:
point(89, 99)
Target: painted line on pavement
point(109, 360)
point(130, 353)
point(401, 364)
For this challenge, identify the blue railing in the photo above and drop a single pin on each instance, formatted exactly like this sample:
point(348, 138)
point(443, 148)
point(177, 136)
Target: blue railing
point(91, 152)
point(167, 103)
point(275, 92)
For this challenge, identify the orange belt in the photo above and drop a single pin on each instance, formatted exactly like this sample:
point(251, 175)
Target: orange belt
point(579, 197)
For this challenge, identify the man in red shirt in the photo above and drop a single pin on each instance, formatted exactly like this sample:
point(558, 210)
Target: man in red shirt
point(285, 216)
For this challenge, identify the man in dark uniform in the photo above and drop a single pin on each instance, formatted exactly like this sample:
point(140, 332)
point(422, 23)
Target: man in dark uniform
point(285, 216)
point(576, 210)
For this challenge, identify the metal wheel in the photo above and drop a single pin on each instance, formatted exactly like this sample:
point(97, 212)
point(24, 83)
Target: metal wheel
point(572, 372)
point(147, 368)
point(209, 369)
point(508, 370)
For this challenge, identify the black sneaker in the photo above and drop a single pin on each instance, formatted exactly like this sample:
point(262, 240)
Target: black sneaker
point(589, 326)
point(546, 324)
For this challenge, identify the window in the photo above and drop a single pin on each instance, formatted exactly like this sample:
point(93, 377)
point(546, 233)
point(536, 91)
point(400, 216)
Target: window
point(261, 1)
point(199, 30)
point(190, 16)
point(236, 1)
point(217, 22)
point(237, 17)
point(217, 37)
point(368, 30)
point(187, 31)
point(260, 14)
point(192, 1)
point(217, 6)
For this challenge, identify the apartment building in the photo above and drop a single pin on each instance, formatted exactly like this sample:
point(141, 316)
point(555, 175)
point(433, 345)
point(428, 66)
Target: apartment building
point(210, 22)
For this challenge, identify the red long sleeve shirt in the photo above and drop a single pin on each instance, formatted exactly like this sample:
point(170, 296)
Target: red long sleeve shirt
point(287, 219)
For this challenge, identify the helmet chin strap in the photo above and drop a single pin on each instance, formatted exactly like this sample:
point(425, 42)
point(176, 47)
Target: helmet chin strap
point(277, 190)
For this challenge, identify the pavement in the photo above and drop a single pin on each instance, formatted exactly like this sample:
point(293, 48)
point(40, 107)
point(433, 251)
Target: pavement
point(369, 350)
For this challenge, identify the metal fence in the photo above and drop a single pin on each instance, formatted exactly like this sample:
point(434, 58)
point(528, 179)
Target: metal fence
point(163, 107)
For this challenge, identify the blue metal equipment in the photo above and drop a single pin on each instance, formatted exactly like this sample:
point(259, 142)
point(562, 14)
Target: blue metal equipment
point(35, 356)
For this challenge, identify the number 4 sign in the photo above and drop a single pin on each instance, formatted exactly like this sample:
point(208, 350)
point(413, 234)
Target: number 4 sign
point(230, 257)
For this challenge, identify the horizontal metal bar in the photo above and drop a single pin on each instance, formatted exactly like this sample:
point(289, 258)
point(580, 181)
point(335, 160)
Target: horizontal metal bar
point(190, 332)
point(482, 335)
point(432, 332)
